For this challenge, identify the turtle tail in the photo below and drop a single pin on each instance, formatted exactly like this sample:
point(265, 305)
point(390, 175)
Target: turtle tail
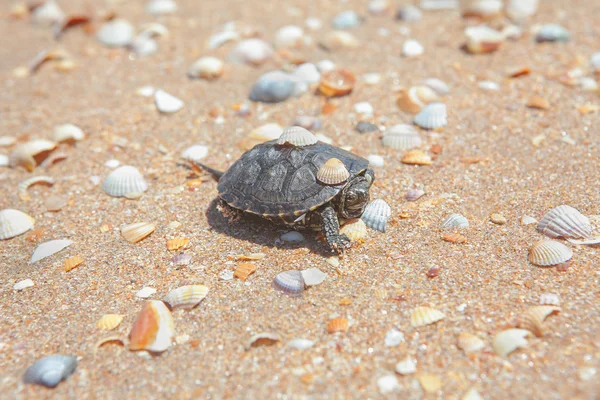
point(216, 174)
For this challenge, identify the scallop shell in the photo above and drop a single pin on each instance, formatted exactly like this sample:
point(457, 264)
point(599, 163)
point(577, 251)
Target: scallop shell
point(73, 262)
point(124, 180)
point(244, 270)
point(483, 39)
point(338, 40)
point(416, 157)
point(108, 322)
point(376, 215)
point(262, 339)
point(333, 172)
point(26, 183)
point(67, 133)
point(469, 343)
point(335, 83)
point(534, 318)
point(337, 325)
point(290, 282)
point(31, 153)
point(414, 194)
point(565, 221)
point(546, 253)
point(186, 297)
point(14, 223)
point(355, 229)
point(455, 221)
point(432, 116)
point(509, 340)
point(49, 248)
point(51, 370)
point(135, 232)
point(422, 316)
point(297, 136)
point(153, 329)
point(313, 276)
point(206, 68)
point(407, 366)
point(402, 137)
point(177, 243)
point(167, 103)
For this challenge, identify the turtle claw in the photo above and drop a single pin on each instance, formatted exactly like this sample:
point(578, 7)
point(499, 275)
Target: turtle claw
point(338, 243)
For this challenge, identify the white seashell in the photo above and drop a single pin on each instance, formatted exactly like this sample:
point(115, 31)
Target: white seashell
point(455, 221)
point(266, 132)
point(220, 38)
point(326, 66)
point(153, 329)
point(308, 73)
point(115, 33)
point(186, 297)
point(49, 248)
point(407, 366)
point(145, 292)
point(378, 7)
point(183, 259)
point(338, 40)
point(483, 39)
point(300, 344)
point(371, 78)
point(226, 275)
point(413, 100)
point(432, 116)
point(549, 299)
point(412, 48)
point(292, 237)
point(195, 153)
point(251, 51)
point(14, 223)
point(414, 194)
point(509, 340)
point(124, 180)
point(393, 338)
point(346, 20)
point(154, 29)
point(488, 85)
point(260, 339)
point(481, 8)
point(566, 222)
point(534, 317)
point(4, 162)
point(388, 384)
point(376, 215)
point(520, 10)
point(512, 32)
point(26, 183)
point(143, 45)
point(133, 233)
point(112, 163)
point(290, 282)
point(313, 276)
point(312, 23)
point(160, 7)
point(167, 103)
point(422, 316)
point(546, 253)
point(67, 133)
point(401, 137)
point(552, 33)
point(595, 61)
point(289, 36)
point(409, 13)
point(527, 220)
point(297, 136)
point(438, 85)
point(206, 68)
point(31, 153)
point(25, 283)
point(51, 370)
point(333, 172)
point(588, 240)
point(470, 343)
point(6, 141)
point(48, 13)
point(375, 160)
point(364, 107)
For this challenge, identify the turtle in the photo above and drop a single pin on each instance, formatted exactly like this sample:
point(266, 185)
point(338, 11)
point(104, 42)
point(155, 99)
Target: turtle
point(299, 181)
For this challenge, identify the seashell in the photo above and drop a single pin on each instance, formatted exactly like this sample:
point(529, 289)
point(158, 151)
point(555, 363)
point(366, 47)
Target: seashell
point(154, 29)
point(14, 223)
point(26, 183)
point(469, 343)
point(31, 153)
point(289, 36)
point(135, 232)
point(376, 215)
point(483, 39)
point(160, 7)
point(177, 243)
point(292, 237)
point(244, 270)
point(422, 316)
point(595, 61)
point(509, 340)
point(546, 253)
point(25, 283)
point(251, 256)
point(49, 248)
point(153, 329)
point(326, 66)
point(307, 73)
point(355, 229)
point(409, 13)
point(588, 240)
point(416, 157)
point(266, 132)
point(289, 282)
point(346, 20)
point(251, 51)
point(55, 203)
point(455, 221)
point(145, 292)
point(520, 10)
point(414, 194)
point(412, 48)
point(143, 45)
point(481, 8)
point(472, 394)
point(47, 13)
point(375, 160)
point(146, 91)
point(297, 136)
point(300, 344)
point(333, 172)
point(6, 141)
point(393, 338)
point(488, 85)
point(454, 238)
point(335, 83)
point(549, 299)
point(166, 103)
point(67, 133)
point(438, 86)
point(313, 276)
point(124, 180)
point(186, 297)
point(206, 68)
point(337, 325)
point(182, 259)
point(226, 275)
point(338, 40)
point(538, 102)
point(402, 137)
point(534, 318)
point(566, 222)
point(512, 32)
point(407, 366)
point(117, 32)
point(51, 370)
point(220, 38)
point(195, 153)
point(73, 262)
point(273, 87)
point(388, 384)
point(430, 383)
point(262, 339)
point(432, 116)
point(527, 220)
point(108, 322)
point(364, 107)
point(413, 99)
point(552, 33)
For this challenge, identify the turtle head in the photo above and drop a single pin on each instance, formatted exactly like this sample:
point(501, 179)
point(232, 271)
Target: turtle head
point(355, 196)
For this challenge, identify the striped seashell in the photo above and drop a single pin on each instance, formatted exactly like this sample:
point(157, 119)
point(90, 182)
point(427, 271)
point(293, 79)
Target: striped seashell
point(262, 339)
point(546, 253)
point(333, 172)
point(67, 133)
point(108, 322)
point(135, 232)
point(566, 222)
point(588, 240)
point(51, 370)
point(297, 136)
point(416, 157)
point(355, 229)
point(469, 343)
point(31, 153)
point(177, 243)
point(244, 270)
point(290, 282)
point(337, 325)
point(432, 116)
point(401, 137)
point(376, 215)
point(422, 316)
point(49, 248)
point(414, 194)
point(455, 221)
point(483, 39)
point(186, 297)
point(34, 180)
point(509, 340)
point(72, 262)
point(124, 180)
point(153, 329)
point(534, 318)
point(14, 223)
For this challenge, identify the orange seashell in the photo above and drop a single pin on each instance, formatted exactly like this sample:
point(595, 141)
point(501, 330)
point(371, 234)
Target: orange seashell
point(251, 256)
point(337, 82)
point(454, 238)
point(337, 325)
point(538, 102)
point(108, 322)
point(177, 243)
point(72, 262)
point(153, 329)
point(244, 270)
point(416, 157)
point(412, 100)
point(422, 316)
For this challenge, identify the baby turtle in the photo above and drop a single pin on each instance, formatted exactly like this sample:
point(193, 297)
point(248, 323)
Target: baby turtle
point(299, 181)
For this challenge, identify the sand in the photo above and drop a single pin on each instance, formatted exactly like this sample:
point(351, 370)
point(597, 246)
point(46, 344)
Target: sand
point(484, 286)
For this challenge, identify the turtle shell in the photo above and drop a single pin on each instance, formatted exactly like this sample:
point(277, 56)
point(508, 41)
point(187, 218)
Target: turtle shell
point(274, 180)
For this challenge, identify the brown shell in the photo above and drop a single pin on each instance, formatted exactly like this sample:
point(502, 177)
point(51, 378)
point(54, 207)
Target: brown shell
point(333, 172)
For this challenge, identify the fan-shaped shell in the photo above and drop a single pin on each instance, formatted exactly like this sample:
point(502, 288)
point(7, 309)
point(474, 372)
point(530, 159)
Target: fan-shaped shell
point(14, 223)
point(290, 282)
point(50, 371)
point(509, 340)
point(186, 297)
point(455, 221)
point(135, 232)
point(422, 316)
point(123, 181)
point(534, 317)
point(355, 229)
point(297, 136)
point(376, 215)
point(108, 322)
point(565, 221)
point(153, 329)
point(546, 253)
point(337, 325)
point(333, 172)
point(244, 270)
point(432, 116)
point(402, 137)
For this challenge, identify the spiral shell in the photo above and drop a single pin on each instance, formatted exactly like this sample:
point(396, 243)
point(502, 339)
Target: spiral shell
point(402, 137)
point(108, 322)
point(290, 282)
point(509, 340)
point(135, 232)
point(51, 370)
point(376, 215)
point(14, 223)
point(546, 253)
point(124, 181)
point(153, 329)
point(455, 221)
point(422, 316)
point(333, 172)
point(432, 116)
point(565, 221)
point(297, 136)
point(186, 297)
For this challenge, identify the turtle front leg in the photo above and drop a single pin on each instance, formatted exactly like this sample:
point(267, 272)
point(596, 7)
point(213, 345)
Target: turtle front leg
point(330, 226)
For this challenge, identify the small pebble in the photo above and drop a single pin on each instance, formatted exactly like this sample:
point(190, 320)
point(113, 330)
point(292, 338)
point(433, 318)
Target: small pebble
point(412, 48)
point(375, 160)
point(364, 108)
point(498, 219)
point(314, 24)
point(366, 127)
point(273, 87)
point(488, 85)
point(145, 292)
point(292, 237)
point(346, 20)
point(115, 33)
point(161, 7)
point(409, 13)
point(112, 163)
point(167, 103)
point(325, 66)
point(388, 384)
point(4, 162)
point(393, 338)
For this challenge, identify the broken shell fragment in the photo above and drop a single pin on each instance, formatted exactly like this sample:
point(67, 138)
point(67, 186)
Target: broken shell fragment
point(432, 116)
point(566, 222)
point(549, 299)
point(422, 316)
point(177, 243)
point(123, 181)
point(313, 276)
point(186, 297)
point(153, 329)
point(401, 137)
point(135, 232)
point(333, 172)
point(51, 370)
point(337, 82)
point(534, 318)
point(337, 40)
point(244, 270)
point(206, 68)
point(509, 340)
point(416, 157)
point(72, 262)
point(528, 220)
point(297, 136)
point(481, 8)
point(469, 343)
point(455, 221)
point(251, 51)
point(300, 344)
point(483, 39)
point(24, 284)
point(454, 238)
point(538, 102)
point(412, 48)
point(49, 248)
point(31, 153)
point(290, 282)
point(262, 339)
point(407, 366)
point(167, 103)
point(355, 229)
point(25, 184)
point(414, 194)
point(67, 133)
point(337, 325)
point(14, 223)
point(376, 215)
point(546, 253)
